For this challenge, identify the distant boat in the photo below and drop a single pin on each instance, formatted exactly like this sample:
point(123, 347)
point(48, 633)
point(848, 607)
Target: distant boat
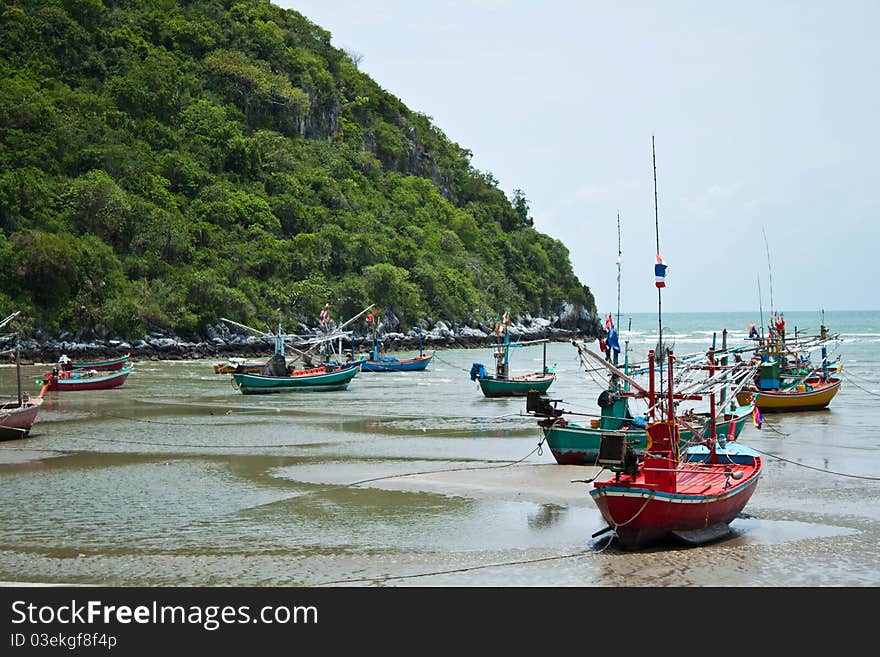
point(85, 379)
point(813, 394)
point(389, 364)
point(504, 385)
point(782, 384)
point(317, 379)
point(18, 416)
point(277, 376)
point(377, 363)
point(101, 365)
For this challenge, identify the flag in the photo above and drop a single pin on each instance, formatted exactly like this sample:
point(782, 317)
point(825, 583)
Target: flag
point(325, 315)
point(609, 322)
point(611, 341)
point(660, 272)
point(756, 417)
point(370, 318)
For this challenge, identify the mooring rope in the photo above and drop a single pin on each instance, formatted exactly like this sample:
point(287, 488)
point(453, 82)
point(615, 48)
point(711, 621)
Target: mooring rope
point(810, 467)
point(385, 578)
point(463, 369)
point(863, 388)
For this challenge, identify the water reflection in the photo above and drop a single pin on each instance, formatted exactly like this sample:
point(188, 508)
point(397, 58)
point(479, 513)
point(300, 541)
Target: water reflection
point(546, 516)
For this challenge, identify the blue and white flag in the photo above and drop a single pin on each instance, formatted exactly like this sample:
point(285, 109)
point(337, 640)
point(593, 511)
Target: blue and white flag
point(660, 272)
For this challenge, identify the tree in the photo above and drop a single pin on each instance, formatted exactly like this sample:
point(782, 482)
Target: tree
point(521, 208)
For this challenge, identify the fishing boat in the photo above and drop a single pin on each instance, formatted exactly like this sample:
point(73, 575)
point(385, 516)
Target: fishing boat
point(502, 384)
point(277, 375)
point(573, 443)
point(785, 378)
point(389, 364)
point(691, 494)
point(316, 379)
point(377, 363)
point(100, 365)
point(812, 394)
point(18, 416)
point(74, 380)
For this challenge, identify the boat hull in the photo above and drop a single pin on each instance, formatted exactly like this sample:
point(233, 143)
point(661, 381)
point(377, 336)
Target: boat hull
point(518, 386)
point(74, 381)
point(770, 401)
point(573, 444)
point(417, 364)
point(642, 515)
point(103, 365)
point(314, 380)
point(16, 420)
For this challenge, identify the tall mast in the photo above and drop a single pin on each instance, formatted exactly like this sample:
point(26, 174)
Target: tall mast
point(619, 254)
point(659, 290)
point(761, 307)
point(769, 269)
point(18, 365)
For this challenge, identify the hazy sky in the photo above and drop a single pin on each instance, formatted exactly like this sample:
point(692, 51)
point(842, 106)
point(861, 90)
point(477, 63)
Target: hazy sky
point(764, 116)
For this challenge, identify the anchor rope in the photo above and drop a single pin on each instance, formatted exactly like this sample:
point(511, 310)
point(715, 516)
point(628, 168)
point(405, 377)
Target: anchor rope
point(811, 467)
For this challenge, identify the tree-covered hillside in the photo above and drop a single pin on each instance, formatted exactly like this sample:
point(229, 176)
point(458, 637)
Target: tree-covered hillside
point(164, 163)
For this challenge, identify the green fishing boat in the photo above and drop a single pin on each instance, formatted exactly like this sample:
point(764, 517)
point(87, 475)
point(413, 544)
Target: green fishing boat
point(276, 375)
point(517, 386)
point(575, 444)
point(318, 379)
point(504, 385)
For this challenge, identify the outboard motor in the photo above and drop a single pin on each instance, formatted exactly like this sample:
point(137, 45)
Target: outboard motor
point(477, 371)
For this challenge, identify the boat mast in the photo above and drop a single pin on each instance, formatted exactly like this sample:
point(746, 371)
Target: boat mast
point(619, 254)
point(18, 364)
point(761, 308)
point(659, 290)
point(769, 269)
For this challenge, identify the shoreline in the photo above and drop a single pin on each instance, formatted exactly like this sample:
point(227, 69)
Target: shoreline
point(238, 346)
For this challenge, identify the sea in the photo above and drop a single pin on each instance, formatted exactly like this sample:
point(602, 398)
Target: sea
point(415, 479)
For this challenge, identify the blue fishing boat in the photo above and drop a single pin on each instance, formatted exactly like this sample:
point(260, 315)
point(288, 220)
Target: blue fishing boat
point(377, 363)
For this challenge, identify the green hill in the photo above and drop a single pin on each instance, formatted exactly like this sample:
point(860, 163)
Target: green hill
point(163, 164)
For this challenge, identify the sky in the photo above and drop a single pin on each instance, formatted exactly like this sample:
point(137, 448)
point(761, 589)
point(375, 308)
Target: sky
point(763, 116)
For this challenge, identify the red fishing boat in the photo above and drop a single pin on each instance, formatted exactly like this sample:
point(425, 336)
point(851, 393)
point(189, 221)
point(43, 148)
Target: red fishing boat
point(85, 379)
point(692, 496)
point(690, 493)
